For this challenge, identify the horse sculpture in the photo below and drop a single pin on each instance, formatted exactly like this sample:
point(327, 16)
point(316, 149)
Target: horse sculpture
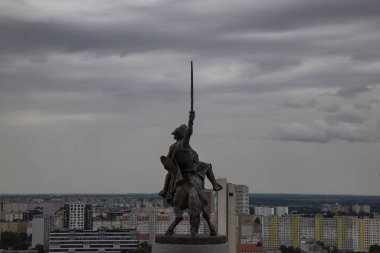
point(184, 182)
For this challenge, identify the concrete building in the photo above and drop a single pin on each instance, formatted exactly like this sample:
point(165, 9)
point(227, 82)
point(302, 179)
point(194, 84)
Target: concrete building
point(14, 226)
point(109, 224)
point(226, 221)
point(284, 230)
point(248, 248)
point(42, 225)
point(356, 208)
point(222, 207)
point(347, 233)
point(264, 210)
point(152, 221)
point(101, 241)
point(366, 208)
point(18, 210)
point(242, 199)
point(309, 246)
point(77, 216)
point(281, 210)
point(249, 229)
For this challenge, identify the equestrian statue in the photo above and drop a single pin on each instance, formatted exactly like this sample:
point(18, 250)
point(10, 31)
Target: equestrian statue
point(184, 181)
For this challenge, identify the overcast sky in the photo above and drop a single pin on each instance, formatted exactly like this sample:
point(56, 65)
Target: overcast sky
point(287, 93)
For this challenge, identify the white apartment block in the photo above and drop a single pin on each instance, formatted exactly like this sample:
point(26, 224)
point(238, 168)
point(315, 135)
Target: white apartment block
point(307, 228)
point(14, 210)
point(281, 210)
point(284, 231)
point(99, 224)
point(264, 210)
point(78, 216)
point(329, 231)
point(242, 199)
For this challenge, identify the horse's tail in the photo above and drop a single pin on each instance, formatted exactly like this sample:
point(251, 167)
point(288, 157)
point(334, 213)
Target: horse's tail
point(195, 208)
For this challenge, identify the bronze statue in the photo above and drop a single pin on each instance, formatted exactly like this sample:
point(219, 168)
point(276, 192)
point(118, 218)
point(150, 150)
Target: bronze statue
point(184, 182)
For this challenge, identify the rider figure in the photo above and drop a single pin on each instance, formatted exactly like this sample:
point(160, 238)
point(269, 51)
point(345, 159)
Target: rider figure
point(183, 160)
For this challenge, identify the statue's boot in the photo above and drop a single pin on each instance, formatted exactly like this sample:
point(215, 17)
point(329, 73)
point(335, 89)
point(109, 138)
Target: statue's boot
point(164, 191)
point(211, 177)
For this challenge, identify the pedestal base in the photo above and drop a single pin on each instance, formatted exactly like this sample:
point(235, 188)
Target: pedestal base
point(190, 244)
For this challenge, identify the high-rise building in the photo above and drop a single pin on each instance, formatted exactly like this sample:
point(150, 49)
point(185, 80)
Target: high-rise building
point(222, 207)
point(77, 216)
point(242, 199)
point(226, 221)
point(113, 241)
point(42, 225)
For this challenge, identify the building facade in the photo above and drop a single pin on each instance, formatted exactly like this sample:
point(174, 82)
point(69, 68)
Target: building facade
point(101, 241)
point(350, 233)
point(226, 221)
point(242, 199)
point(42, 225)
point(77, 216)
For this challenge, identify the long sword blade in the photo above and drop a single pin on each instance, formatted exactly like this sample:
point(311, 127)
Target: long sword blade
point(192, 91)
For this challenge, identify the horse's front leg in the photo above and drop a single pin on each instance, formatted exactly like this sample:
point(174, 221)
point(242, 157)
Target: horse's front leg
point(206, 216)
point(178, 218)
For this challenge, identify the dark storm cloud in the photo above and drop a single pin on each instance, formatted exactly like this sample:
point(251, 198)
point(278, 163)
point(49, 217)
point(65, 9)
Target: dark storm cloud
point(351, 90)
point(276, 53)
point(346, 117)
point(337, 125)
point(311, 103)
point(330, 108)
point(300, 133)
point(290, 15)
point(218, 34)
point(326, 131)
point(362, 106)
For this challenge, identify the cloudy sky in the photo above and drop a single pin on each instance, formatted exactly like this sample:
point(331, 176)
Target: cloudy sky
point(287, 93)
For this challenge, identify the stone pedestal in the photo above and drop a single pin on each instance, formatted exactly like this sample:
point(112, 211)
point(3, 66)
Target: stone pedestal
point(190, 244)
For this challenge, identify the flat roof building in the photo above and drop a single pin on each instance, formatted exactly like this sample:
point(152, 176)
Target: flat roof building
point(88, 241)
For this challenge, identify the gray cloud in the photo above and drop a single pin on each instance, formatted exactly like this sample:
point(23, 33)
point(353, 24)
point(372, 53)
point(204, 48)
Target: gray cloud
point(311, 103)
point(325, 131)
point(351, 91)
point(88, 86)
point(362, 106)
point(299, 132)
point(330, 108)
point(374, 101)
point(345, 117)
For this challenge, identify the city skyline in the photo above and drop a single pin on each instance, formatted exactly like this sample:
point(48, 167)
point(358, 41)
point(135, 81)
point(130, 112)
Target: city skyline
point(287, 95)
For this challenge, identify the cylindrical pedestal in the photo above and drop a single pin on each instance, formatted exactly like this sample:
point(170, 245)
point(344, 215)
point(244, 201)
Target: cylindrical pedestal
point(190, 244)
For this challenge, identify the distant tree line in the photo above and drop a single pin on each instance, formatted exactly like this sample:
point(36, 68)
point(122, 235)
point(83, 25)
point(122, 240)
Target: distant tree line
point(14, 241)
point(289, 249)
point(144, 247)
point(374, 249)
point(331, 249)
